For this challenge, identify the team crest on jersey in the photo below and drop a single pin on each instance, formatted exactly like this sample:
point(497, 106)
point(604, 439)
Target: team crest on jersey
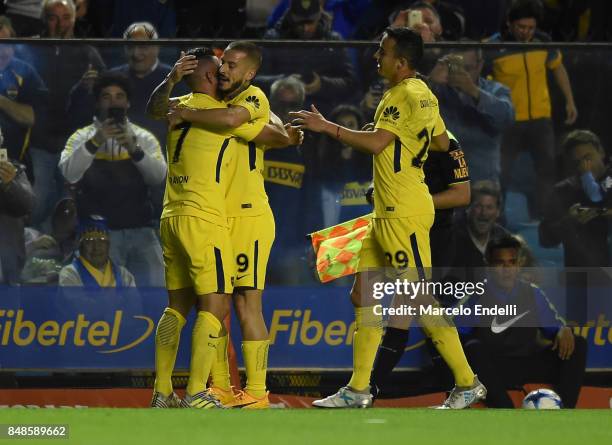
point(392, 112)
point(254, 100)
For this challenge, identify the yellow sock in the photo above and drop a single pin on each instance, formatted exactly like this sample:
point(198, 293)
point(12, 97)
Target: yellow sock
point(255, 355)
point(219, 371)
point(446, 340)
point(204, 342)
point(167, 338)
point(368, 332)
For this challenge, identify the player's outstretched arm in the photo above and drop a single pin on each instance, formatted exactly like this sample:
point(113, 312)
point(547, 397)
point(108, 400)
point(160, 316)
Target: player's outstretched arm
point(372, 142)
point(159, 101)
point(277, 135)
point(456, 195)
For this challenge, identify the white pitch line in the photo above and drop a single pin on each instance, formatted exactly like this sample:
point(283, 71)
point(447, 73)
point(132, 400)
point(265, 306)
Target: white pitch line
point(375, 420)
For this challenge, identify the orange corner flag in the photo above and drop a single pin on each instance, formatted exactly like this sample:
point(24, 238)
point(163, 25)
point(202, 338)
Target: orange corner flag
point(337, 248)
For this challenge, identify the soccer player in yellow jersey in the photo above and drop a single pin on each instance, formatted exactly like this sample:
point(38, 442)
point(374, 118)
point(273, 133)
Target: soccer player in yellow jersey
point(194, 230)
point(407, 124)
point(250, 218)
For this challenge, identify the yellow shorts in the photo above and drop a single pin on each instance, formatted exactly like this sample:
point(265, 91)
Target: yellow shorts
point(401, 243)
point(252, 238)
point(197, 254)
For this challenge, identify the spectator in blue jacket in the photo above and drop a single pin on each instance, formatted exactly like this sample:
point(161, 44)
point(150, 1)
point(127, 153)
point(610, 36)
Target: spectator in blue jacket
point(346, 14)
point(475, 109)
point(22, 97)
point(16, 202)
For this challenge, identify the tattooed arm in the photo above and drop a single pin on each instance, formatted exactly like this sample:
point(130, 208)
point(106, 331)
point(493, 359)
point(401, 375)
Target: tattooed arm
point(157, 105)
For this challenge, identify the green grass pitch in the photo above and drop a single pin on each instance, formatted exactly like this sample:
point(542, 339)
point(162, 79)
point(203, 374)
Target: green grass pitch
point(90, 426)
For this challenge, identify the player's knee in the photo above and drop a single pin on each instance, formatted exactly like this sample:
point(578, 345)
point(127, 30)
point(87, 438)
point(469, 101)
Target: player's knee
point(217, 304)
point(247, 305)
point(356, 298)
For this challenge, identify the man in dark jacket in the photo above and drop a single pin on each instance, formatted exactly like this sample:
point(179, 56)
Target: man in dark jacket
point(575, 212)
point(327, 73)
point(61, 67)
point(16, 201)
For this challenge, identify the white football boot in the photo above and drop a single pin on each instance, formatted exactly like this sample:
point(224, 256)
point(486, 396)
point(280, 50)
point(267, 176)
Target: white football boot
point(462, 397)
point(345, 398)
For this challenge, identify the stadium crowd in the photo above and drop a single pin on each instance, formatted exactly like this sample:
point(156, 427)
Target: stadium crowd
point(514, 128)
point(86, 166)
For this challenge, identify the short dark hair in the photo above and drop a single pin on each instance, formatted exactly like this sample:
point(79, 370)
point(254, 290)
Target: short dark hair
point(524, 9)
point(204, 53)
point(487, 188)
point(408, 44)
point(201, 52)
point(250, 49)
point(110, 78)
point(503, 242)
point(579, 137)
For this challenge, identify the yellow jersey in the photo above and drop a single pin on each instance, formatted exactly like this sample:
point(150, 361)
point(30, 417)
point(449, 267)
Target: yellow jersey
point(247, 195)
point(410, 111)
point(198, 167)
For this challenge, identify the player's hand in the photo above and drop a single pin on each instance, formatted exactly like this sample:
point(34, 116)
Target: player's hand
point(174, 116)
point(571, 113)
point(184, 65)
point(172, 103)
point(7, 172)
point(581, 214)
point(89, 78)
point(309, 120)
point(296, 136)
point(564, 343)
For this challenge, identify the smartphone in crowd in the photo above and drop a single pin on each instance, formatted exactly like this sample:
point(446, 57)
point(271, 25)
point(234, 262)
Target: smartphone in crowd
point(117, 114)
point(455, 63)
point(415, 18)
point(3, 155)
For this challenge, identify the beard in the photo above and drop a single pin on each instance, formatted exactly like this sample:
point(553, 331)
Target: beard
point(231, 89)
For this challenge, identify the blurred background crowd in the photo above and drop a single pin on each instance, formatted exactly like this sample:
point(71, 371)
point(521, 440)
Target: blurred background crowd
point(532, 121)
